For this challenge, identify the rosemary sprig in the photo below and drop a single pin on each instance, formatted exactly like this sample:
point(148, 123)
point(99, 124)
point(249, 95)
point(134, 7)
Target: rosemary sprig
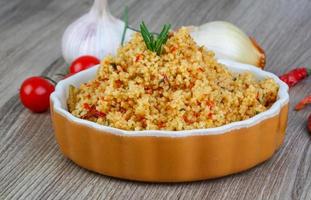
point(126, 24)
point(136, 30)
point(152, 43)
point(162, 39)
point(147, 36)
point(155, 44)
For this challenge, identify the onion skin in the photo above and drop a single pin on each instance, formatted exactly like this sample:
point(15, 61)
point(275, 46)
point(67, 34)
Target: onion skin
point(262, 59)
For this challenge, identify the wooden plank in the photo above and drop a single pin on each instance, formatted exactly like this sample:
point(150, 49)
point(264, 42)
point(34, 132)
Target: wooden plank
point(31, 165)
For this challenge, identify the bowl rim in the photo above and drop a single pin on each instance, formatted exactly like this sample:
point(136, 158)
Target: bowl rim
point(61, 91)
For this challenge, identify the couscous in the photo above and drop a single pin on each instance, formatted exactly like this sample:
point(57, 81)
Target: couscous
point(183, 88)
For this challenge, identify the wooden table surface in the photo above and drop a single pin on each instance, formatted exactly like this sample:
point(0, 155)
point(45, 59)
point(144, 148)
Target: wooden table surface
point(31, 164)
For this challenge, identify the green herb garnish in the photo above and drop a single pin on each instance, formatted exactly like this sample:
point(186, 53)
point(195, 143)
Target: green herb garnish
point(114, 66)
point(126, 24)
point(152, 43)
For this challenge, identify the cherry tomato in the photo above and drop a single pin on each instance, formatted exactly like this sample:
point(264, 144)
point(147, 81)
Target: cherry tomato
point(82, 63)
point(35, 93)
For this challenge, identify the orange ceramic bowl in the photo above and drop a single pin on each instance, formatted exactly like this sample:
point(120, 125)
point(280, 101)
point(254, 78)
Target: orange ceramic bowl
point(170, 156)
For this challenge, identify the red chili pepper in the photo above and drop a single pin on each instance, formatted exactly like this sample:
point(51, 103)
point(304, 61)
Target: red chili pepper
point(210, 104)
point(201, 69)
point(309, 123)
point(210, 115)
point(118, 83)
point(92, 112)
point(191, 85)
point(187, 120)
point(143, 122)
point(138, 57)
point(87, 106)
point(148, 90)
point(122, 110)
point(173, 49)
point(196, 114)
point(161, 124)
point(303, 103)
point(295, 76)
point(97, 84)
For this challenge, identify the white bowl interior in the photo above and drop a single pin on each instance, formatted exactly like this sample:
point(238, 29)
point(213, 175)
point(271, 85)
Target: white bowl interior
point(59, 98)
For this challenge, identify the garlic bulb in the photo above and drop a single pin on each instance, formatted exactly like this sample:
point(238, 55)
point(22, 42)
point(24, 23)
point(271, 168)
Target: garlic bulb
point(229, 42)
point(96, 33)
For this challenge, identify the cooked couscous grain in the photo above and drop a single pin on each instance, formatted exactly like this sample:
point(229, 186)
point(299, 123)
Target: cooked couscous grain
point(183, 88)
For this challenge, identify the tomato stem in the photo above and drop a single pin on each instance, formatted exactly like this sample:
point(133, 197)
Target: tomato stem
point(309, 123)
point(62, 75)
point(48, 78)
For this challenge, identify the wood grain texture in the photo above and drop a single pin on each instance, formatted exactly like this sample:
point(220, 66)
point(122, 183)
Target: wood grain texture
point(31, 165)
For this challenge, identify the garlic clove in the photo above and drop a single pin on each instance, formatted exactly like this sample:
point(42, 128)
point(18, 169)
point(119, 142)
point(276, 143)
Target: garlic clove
point(229, 42)
point(96, 33)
